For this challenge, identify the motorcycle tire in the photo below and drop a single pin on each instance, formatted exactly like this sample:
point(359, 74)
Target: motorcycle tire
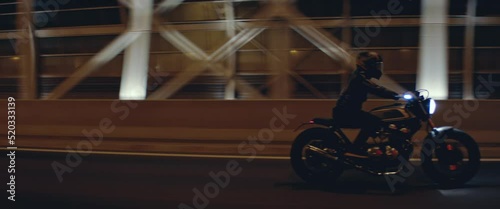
point(330, 174)
point(450, 179)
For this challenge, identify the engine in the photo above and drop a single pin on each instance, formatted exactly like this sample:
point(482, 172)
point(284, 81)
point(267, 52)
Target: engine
point(394, 136)
point(392, 141)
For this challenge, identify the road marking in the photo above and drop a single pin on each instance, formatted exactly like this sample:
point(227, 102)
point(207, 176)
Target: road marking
point(187, 155)
point(156, 154)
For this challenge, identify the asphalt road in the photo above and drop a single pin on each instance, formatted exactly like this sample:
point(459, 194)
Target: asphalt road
point(113, 181)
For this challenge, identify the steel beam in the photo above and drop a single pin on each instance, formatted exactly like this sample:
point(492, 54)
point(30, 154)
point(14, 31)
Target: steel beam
point(324, 41)
point(183, 44)
point(346, 16)
point(282, 85)
point(128, 3)
point(433, 60)
point(179, 81)
point(25, 44)
point(239, 83)
point(133, 80)
point(136, 60)
point(101, 58)
point(195, 53)
point(331, 46)
point(324, 44)
point(307, 85)
point(221, 25)
point(346, 38)
point(81, 31)
point(9, 35)
point(125, 4)
point(167, 5)
point(293, 64)
point(468, 69)
point(230, 90)
point(282, 9)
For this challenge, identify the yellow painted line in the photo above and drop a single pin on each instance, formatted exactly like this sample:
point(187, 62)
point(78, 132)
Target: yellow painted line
point(184, 155)
point(154, 154)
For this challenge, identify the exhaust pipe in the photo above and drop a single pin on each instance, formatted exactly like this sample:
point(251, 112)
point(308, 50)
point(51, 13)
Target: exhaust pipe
point(321, 152)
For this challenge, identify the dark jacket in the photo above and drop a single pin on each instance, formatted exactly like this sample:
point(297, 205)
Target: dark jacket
point(353, 97)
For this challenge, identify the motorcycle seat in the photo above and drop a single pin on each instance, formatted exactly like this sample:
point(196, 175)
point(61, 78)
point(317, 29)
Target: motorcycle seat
point(332, 123)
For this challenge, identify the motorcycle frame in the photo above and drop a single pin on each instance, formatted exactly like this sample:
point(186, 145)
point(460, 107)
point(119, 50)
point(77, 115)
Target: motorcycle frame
point(433, 132)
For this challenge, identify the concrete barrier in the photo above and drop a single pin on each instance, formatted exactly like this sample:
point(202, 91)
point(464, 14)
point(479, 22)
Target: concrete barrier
point(207, 126)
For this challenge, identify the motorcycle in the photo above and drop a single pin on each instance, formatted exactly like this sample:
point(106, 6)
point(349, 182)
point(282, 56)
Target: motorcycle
point(449, 156)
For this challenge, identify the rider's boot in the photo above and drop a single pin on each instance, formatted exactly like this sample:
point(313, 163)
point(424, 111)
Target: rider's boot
point(356, 149)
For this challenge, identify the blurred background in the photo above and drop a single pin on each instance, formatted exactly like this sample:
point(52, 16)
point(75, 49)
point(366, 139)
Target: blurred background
point(67, 62)
point(63, 49)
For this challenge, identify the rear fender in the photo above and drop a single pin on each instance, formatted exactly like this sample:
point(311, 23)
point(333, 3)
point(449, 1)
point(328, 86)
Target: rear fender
point(314, 121)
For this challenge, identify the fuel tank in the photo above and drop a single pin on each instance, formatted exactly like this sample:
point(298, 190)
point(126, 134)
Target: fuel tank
point(392, 113)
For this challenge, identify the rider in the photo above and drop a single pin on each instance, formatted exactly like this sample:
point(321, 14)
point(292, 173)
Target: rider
point(348, 111)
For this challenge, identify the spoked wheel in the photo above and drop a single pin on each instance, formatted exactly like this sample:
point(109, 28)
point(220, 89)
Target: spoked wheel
point(454, 161)
point(310, 165)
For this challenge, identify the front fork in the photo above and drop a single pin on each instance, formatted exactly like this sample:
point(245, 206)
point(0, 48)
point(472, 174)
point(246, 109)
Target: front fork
point(431, 124)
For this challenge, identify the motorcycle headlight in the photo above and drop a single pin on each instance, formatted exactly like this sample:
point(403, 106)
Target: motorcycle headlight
point(407, 96)
point(432, 106)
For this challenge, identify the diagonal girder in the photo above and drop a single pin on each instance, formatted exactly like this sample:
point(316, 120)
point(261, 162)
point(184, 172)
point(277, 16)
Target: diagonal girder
point(127, 3)
point(332, 50)
point(193, 51)
point(196, 53)
point(230, 88)
point(134, 77)
point(323, 41)
point(167, 5)
point(136, 32)
point(180, 42)
point(104, 56)
point(239, 84)
point(324, 44)
point(295, 75)
point(302, 25)
point(176, 83)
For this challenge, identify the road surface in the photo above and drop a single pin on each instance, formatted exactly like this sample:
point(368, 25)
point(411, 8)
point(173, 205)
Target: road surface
point(120, 181)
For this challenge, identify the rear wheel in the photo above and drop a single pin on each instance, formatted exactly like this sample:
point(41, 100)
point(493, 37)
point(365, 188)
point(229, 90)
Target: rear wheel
point(454, 160)
point(311, 166)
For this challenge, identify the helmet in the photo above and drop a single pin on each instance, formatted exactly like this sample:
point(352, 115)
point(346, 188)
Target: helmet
point(371, 63)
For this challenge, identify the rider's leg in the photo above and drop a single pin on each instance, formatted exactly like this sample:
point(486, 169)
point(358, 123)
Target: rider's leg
point(357, 118)
point(369, 124)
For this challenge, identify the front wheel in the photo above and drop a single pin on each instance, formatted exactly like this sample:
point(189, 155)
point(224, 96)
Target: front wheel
point(452, 160)
point(311, 166)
